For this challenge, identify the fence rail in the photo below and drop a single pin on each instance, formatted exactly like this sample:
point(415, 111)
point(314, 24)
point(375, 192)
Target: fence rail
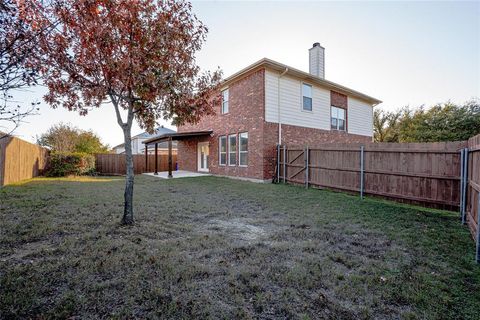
point(114, 164)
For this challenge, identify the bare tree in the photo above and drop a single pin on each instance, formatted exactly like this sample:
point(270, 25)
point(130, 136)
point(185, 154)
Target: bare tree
point(17, 44)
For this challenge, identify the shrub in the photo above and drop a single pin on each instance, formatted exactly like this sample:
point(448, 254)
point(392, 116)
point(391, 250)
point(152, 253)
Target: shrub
point(67, 163)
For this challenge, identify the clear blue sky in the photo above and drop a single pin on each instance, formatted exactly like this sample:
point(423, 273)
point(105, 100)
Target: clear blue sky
point(403, 53)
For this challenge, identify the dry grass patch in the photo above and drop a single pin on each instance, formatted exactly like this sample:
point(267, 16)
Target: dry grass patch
point(216, 248)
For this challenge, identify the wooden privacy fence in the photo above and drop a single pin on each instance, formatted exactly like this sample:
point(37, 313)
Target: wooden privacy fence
point(20, 160)
point(114, 164)
point(442, 175)
point(471, 190)
point(419, 173)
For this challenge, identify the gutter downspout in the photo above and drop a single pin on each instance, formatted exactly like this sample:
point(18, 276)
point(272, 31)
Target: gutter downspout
point(278, 103)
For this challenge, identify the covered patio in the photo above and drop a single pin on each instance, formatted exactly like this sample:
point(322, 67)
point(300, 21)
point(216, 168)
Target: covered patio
point(177, 174)
point(169, 137)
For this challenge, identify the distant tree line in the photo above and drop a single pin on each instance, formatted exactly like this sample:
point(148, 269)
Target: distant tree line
point(66, 138)
point(442, 122)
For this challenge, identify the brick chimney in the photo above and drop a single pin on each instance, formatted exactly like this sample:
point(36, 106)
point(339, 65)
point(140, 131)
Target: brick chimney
point(317, 60)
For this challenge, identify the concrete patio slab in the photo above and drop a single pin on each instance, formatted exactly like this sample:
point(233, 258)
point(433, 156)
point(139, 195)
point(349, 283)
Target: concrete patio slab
point(177, 174)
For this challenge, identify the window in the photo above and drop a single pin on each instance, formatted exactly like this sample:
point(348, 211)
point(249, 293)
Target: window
point(338, 118)
point(243, 149)
point(307, 97)
point(225, 101)
point(232, 149)
point(222, 150)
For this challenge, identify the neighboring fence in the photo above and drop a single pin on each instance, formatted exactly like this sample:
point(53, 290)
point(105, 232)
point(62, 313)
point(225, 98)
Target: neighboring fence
point(20, 160)
point(472, 191)
point(114, 164)
point(419, 173)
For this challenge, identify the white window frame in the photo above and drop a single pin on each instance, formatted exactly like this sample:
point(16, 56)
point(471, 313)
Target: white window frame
point(220, 151)
point(225, 102)
point(311, 96)
point(334, 108)
point(240, 151)
point(230, 152)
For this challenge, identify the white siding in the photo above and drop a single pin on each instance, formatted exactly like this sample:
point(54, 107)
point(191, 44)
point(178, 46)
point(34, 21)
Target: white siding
point(291, 103)
point(360, 117)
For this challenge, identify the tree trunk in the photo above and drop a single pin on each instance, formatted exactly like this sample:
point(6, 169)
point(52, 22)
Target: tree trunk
point(129, 179)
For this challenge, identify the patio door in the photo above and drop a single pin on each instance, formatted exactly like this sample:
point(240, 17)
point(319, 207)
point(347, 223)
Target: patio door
point(203, 153)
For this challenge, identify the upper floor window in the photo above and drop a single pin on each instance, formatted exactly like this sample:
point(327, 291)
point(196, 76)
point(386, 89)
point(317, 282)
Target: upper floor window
point(338, 118)
point(307, 97)
point(225, 101)
point(222, 145)
point(232, 149)
point(243, 149)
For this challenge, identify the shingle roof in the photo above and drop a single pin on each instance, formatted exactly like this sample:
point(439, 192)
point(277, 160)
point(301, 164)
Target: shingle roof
point(145, 135)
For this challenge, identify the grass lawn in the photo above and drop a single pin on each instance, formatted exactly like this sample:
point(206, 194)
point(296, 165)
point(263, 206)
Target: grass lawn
point(212, 247)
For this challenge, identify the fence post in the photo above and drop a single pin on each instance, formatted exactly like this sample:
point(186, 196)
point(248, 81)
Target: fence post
point(477, 255)
point(465, 184)
point(361, 172)
point(146, 157)
point(307, 160)
point(278, 163)
point(284, 162)
point(462, 154)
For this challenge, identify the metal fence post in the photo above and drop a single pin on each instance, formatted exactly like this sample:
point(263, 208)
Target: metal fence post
point(477, 255)
point(465, 184)
point(284, 162)
point(307, 160)
point(278, 163)
point(462, 154)
point(361, 172)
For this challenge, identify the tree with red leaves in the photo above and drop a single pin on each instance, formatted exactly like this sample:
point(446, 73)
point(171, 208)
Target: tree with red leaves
point(137, 56)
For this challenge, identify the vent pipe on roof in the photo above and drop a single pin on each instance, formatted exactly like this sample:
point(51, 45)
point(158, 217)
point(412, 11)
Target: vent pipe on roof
point(317, 60)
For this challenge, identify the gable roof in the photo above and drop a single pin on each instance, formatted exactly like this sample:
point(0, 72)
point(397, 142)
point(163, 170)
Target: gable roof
point(280, 67)
point(145, 135)
point(159, 131)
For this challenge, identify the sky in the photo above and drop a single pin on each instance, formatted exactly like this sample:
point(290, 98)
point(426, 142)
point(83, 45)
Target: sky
point(403, 53)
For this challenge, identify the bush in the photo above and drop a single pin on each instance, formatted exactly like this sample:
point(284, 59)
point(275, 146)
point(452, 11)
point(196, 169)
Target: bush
point(67, 164)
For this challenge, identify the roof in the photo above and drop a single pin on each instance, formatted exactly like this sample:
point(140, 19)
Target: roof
point(159, 131)
point(178, 136)
point(280, 67)
point(145, 135)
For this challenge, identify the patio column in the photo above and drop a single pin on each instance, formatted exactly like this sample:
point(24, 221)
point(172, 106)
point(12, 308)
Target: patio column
point(170, 162)
point(146, 157)
point(156, 159)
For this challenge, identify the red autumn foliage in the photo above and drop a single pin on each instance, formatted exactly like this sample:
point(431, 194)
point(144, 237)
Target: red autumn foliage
point(139, 55)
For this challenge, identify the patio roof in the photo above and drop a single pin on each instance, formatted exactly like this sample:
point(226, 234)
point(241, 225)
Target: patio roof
point(177, 136)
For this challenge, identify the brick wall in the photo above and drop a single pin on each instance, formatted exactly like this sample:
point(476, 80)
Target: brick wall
point(246, 114)
point(338, 100)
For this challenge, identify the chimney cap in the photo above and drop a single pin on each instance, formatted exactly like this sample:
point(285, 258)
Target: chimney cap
point(316, 44)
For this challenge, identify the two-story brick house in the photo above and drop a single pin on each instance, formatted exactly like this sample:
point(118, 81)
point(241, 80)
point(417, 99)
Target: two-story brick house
point(269, 103)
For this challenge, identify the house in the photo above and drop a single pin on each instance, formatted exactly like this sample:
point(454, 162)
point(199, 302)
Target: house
point(138, 147)
point(266, 104)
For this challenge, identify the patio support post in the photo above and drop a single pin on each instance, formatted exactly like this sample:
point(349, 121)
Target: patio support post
point(146, 157)
point(284, 163)
point(170, 161)
point(156, 159)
